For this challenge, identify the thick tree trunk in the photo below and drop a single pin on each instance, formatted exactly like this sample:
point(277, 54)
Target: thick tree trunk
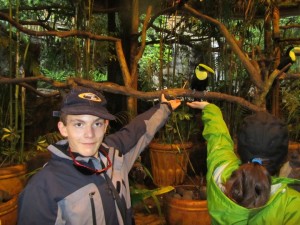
point(132, 102)
point(275, 92)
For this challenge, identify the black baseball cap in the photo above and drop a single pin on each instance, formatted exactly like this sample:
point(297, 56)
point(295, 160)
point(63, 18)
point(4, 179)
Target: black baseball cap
point(263, 136)
point(85, 101)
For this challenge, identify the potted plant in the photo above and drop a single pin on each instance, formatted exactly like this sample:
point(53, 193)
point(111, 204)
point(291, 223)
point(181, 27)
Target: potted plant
point(12, 175)
point(169, 151)
point(187, 205)
point(139, 196)
point(12, 168)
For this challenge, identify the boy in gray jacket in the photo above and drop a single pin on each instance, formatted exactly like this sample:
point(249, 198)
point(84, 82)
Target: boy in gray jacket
point(86, 180)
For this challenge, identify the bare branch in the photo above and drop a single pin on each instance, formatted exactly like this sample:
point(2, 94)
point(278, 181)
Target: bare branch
point(289, 26)
point(254, 74)
point(128, 91)
point(62, 34)
point(39, 93)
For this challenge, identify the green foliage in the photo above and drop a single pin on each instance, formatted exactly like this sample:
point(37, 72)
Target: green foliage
point(56, 55)
point(149, 66)
point(290, 105)
point(44, 141)
point(63, 75)
point(31, 3)
point(59, 75)
point(291, 108)
point(180, 127)
point(10, 144)
point(139, 195)
point(98, 76)
point(290, 33)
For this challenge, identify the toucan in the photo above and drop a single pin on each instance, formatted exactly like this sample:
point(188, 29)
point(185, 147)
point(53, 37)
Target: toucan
point(199, 80)
point(288, 57)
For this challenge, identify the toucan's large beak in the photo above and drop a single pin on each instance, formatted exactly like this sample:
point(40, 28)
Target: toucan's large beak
point(207, 68)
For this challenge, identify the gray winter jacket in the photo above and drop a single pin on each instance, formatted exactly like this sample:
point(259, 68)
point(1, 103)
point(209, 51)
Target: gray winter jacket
point(60, 194)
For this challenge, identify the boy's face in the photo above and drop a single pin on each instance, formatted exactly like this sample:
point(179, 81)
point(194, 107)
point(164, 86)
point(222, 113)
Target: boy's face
point(84, 132)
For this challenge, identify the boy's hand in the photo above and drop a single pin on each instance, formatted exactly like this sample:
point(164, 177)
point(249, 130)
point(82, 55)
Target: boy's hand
point(173, 103)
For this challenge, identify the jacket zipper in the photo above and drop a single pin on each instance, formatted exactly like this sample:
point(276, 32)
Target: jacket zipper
point(93, 207)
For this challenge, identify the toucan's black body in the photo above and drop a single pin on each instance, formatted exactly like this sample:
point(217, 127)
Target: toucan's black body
point(198, 85)
point(288, 57)
point(199, 80)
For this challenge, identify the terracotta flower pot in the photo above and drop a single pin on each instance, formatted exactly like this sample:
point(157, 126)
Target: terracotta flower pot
point(169, 164)
point(186, 212)
point(12, 178)
point(294, 146)
point(8, 212)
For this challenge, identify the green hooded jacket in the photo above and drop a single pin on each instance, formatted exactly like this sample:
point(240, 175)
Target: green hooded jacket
point(283, 206)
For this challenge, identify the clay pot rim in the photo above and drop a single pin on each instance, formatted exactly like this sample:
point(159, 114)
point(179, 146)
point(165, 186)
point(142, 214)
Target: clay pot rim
point(170, 147)
point(13, 170)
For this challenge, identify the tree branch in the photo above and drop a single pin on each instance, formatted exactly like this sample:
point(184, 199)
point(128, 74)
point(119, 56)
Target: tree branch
point(62, 34)
point(128, 91)
point(254, 74)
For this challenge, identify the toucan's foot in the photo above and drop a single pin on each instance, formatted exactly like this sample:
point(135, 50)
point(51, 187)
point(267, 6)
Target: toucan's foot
point(282, 76)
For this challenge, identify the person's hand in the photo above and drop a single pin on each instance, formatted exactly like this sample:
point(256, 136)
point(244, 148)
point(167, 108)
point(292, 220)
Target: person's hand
point(197, 104)
point(173, 103)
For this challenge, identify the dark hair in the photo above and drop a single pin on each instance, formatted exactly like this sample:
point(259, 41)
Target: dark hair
point(63, 118)
point(249, 186)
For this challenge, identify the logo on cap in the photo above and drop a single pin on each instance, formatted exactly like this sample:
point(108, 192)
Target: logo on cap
point(90, 96)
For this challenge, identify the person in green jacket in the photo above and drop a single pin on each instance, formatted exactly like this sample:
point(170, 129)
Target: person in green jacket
point(242, 191)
